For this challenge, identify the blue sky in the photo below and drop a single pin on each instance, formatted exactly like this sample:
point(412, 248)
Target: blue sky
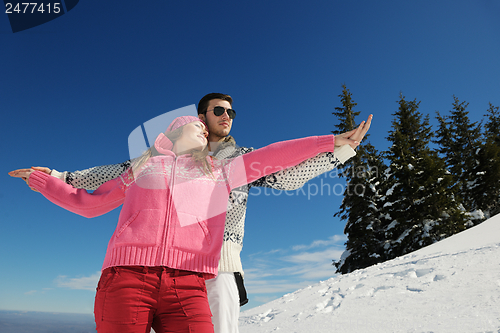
point(73, 89)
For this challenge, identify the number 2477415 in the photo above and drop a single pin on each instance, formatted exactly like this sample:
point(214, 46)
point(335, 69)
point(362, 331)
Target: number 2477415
point(33, 7)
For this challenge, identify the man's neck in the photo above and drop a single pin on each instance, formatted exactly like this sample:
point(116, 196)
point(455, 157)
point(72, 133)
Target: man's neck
point(214, 142)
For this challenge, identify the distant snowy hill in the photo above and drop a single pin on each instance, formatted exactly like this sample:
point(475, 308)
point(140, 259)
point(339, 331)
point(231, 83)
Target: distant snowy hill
point(450, 286)
point(45, 322)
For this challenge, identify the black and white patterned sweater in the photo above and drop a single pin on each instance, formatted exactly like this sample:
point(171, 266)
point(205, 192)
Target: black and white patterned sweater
point(288, 179)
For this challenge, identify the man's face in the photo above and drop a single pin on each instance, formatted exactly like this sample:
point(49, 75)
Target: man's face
point(218, 126)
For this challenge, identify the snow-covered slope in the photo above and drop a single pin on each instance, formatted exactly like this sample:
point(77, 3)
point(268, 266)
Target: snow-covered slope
point(450, 286)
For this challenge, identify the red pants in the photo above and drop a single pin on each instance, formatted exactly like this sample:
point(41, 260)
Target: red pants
point(134, 299)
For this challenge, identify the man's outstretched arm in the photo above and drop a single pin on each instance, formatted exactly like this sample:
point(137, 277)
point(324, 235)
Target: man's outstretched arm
point(88, 179)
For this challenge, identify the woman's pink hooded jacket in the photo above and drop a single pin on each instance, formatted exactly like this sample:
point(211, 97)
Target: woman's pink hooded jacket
point(173, 213)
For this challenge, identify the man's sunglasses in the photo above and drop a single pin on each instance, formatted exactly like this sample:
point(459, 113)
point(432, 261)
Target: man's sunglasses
point(219, 111)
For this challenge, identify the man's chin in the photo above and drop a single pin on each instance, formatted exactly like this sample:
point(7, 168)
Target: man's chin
point(223, 132)
point(226, 130)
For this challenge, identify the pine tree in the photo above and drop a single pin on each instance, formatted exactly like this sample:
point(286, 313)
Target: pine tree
point(361, 196)
point(459, 143)
point(361, 210)
point(492, 126)
point(420, 207)
point(485, 189)
point(345, 114)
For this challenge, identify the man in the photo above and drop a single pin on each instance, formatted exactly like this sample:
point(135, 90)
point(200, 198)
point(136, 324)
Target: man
point(226, 293)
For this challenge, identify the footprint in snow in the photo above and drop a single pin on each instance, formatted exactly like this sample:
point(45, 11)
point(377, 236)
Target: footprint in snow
point(329, 305)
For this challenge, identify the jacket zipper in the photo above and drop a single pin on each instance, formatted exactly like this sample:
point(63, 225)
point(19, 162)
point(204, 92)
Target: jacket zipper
point(168, 213)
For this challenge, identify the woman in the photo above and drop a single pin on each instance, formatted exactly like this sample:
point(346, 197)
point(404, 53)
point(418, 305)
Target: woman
point(170, 229)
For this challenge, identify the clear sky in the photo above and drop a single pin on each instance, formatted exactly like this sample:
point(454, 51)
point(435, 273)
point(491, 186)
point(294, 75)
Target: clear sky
point(73, 89)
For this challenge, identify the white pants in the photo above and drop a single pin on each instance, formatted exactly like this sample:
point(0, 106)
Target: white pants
point(224, 302)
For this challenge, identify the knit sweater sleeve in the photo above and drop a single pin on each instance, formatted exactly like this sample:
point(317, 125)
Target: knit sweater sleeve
point(92, 178)
point(296, 176)
point(106, 198)
point(277, 156)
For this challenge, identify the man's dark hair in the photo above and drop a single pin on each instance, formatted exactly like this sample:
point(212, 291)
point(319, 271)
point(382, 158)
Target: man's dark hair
point(203, 104)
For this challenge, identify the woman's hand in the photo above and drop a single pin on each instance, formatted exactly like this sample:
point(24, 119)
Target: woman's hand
point(25, 173)
point(354, 137)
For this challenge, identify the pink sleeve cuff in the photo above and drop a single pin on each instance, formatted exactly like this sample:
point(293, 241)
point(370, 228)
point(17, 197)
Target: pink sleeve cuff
point(38, 179)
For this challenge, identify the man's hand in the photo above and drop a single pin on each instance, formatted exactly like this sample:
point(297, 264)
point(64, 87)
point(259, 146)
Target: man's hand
point(25, 173)
point(354, 137)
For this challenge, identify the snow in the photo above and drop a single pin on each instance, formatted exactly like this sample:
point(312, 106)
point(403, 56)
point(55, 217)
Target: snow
point(450, 286)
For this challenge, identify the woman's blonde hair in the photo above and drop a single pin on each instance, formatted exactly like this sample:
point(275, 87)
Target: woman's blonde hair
point(199, 156)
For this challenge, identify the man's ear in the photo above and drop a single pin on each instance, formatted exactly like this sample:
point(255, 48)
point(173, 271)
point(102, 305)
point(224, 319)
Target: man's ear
point(202, 117)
